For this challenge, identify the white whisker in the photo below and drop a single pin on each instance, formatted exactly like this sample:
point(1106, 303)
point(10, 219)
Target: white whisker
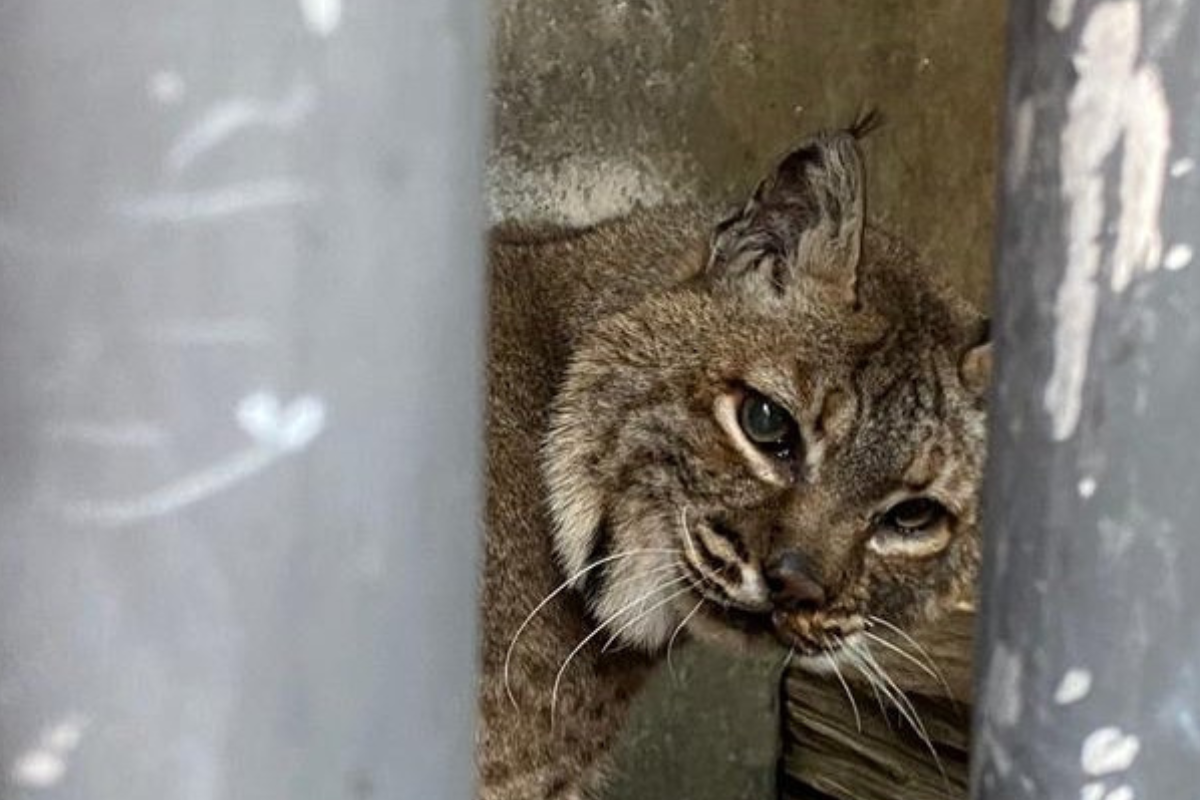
point(907, 656)
point(845, 686)
point(675, 634)
point(647, 612)
point(939, 676)
point(856, 662)
point(562, 587)
point(909, 712)
point(599, 629)
point(787, 661)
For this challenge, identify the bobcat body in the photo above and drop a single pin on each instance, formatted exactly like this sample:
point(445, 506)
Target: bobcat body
point(765, 431)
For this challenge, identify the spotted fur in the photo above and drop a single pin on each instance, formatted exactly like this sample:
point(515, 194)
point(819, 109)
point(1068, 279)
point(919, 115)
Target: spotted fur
point(619, 357)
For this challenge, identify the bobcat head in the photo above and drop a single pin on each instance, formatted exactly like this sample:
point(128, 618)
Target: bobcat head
point(787, 444)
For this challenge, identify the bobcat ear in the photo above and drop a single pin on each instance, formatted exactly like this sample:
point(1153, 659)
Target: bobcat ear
point(805, 221)
point(975, 366)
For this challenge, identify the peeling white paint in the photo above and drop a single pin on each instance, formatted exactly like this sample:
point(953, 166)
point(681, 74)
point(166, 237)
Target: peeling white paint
point(1108, 750)
point(38, 769)
point(1060, 13)
point(1004, 680)
point(45, 764)
point(276, 430)
point(1178, 257)
point(1116, 99)
point(66, 735)
point(288, 428)
point(1182, 167)
point(995, 751)
point(228, 117)
point(1087, 487)
point(1074, 686)
point(322, 17)
point(178, 207)
point(1143, 178)
point(166, 87)
point(576, 192)
point(1022, 143)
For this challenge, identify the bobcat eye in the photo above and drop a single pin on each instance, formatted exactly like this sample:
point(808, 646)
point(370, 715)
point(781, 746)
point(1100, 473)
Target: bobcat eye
point(768, 425)
point(915, 516)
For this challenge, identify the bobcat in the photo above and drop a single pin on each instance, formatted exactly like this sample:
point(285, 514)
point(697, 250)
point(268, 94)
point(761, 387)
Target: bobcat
point(767, 430)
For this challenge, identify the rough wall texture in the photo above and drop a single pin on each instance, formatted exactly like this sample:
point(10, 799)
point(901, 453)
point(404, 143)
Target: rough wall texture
point(600, 104)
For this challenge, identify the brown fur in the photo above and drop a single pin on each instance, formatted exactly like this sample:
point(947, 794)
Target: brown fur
point(618, 358)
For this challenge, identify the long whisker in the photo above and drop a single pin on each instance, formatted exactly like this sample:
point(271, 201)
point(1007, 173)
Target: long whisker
point(599, 629)
point(856, 662)
point(678, 629)
point(894, 693)
point(562, 587)
point(689, 544)
point(642, 576)
point(940, 676)
point(787, 661)
point(643, 614)
point(908, 657)
point(900, 700)
point(849, 695)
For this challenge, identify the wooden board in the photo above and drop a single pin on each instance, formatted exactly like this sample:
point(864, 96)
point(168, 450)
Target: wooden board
point(826, 757)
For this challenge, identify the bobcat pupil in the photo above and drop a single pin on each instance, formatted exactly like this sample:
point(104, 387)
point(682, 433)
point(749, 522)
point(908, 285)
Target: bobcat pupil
point(768, 425)
point(914, 516)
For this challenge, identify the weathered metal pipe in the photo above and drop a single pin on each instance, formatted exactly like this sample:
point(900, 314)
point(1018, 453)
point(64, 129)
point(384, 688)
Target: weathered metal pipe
point(1089, 646)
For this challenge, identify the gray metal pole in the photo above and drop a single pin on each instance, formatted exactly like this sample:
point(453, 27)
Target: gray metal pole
point(1090, 640)
point(240, 398)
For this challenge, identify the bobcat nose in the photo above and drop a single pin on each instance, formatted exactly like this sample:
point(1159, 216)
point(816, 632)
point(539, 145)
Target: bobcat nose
point(791, 584)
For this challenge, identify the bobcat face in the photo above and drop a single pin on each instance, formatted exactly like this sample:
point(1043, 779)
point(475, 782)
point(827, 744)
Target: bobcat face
point(788, 446)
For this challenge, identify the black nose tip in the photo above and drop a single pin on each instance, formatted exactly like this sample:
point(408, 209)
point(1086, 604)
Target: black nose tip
point(791, 583)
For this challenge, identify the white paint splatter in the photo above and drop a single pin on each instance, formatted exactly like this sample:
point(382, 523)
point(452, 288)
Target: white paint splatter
point(1182, 167)
point(289, 429)
point(1060, 13)
point(1115, 98)
point(1124, 792)
point(166, 87)
point(38, 769)
point(1004, 686)
point(223, 120)
point(1092, 791)
point(45, 764)
point(1143, 178)
point(1108, 750)
point(66, 735)
point(1178, 257)
point(322, 17)
point(578, 191)
point(1022, 143)
point(1074, 686)
point(277, 431)
point(177, 207)
point(1087, 487)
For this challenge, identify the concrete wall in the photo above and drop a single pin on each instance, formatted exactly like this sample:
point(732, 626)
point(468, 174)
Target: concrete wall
point(600, 104)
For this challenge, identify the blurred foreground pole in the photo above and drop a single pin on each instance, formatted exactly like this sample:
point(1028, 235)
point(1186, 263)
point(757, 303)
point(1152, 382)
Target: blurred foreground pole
point(1089, 658)
point(240, 398)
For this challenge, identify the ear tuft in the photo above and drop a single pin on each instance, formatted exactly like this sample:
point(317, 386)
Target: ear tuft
point(867, 122)
point(804, 221)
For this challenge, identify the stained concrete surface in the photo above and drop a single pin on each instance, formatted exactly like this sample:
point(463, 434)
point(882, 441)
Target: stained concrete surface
point(601, 104)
